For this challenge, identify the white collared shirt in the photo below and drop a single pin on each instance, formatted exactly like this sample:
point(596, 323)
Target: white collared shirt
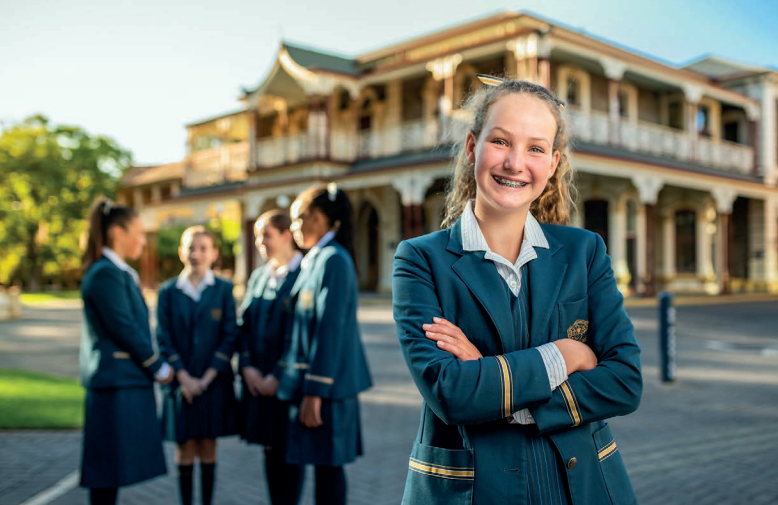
point(278, 273)
point(473, 240)
point(194, 292)
point(120, 263)
point(308, 259)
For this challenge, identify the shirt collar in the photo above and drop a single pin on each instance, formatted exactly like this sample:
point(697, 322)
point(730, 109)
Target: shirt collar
point(120, 263)
point(308, 259)
point(473, 238)
point(194, 292)
point(278, 274)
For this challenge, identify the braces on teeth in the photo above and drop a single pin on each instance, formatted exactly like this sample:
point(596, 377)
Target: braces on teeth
point(510, 184)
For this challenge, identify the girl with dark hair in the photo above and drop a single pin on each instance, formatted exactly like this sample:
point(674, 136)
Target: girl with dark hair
point(122, 443)
point(512, 325)
point(196, 329)
point(265, 323)
point(325, 367)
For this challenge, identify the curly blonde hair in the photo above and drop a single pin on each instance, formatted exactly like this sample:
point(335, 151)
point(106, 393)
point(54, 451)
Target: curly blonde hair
point(556, 201)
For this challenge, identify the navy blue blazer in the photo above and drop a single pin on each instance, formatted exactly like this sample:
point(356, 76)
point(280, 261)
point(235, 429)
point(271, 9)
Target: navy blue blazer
point(325, 356)
point(461, 448)
point(265, 322)
point(197, 335)
point(116, 346)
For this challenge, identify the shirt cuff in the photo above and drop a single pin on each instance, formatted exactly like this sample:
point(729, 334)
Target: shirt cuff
point(555, 364)
point(522, 417)
point(163, 372)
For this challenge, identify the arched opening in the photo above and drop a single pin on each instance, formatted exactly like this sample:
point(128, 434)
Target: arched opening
point(685, 241)
point(596, 217)
point(368, 235)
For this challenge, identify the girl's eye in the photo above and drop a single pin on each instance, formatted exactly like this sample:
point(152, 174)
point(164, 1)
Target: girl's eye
point(536, 149)
point(499, 142)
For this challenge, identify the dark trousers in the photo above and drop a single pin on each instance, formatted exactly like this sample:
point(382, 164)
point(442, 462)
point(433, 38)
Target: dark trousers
point(284, 481)
point(330, 485)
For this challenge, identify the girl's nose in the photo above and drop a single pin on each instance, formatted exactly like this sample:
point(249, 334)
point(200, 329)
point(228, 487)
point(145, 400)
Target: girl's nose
point(514, 161)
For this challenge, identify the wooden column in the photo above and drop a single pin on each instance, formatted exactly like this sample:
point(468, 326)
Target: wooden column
point(724, 220)
point(649, 279)
point(614, 114)
point(754, 136)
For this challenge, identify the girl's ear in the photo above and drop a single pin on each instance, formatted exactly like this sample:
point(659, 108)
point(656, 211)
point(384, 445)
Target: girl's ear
point(554, 164)
point(470, 143)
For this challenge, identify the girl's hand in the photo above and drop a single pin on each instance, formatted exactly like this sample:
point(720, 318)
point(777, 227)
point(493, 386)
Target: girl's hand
point(252, 377)
point(578, 356)
point(310, 411)
point(208, 377)
point(268, 385)
point(190, 387)
point(450, 338)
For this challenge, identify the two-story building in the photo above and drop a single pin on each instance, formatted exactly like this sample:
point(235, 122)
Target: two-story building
point(676, 167)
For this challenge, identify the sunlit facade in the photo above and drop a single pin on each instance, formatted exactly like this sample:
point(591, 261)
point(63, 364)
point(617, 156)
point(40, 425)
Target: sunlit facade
point(676, 167)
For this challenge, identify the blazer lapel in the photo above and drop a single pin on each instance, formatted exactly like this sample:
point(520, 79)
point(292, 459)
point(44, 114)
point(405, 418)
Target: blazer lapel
point(546, 273)
point(481, 278)
point(204, 309)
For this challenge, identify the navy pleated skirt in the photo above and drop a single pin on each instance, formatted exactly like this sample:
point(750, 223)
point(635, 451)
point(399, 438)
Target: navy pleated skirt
point(336, 442)
point(122, 444)
point(210, 415)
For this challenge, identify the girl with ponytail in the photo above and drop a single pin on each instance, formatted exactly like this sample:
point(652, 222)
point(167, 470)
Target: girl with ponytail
point(122, 444)
point(512, 325)
point(325, 366)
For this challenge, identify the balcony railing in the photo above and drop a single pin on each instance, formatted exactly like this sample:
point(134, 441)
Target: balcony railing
point(348, 146)
point(662, 141)
point(228, 163)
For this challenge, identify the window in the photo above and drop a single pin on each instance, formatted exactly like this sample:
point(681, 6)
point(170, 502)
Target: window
point(685, 241)
point(344, 100)
point(623, 104)
point(703, 120)
point(675, 115)
point(573, 93)
point(731, 130)
point(413, 102)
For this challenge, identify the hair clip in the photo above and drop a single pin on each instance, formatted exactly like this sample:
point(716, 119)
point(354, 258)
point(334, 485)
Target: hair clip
point(490, 80)
point(493, 81)
point(332, 191)
point(107, 206)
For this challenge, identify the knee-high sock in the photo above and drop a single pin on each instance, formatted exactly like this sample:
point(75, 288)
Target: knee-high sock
point(330, 485)
point(207, 481)
point(284, 481)
point(185, 483)
point(103, 495)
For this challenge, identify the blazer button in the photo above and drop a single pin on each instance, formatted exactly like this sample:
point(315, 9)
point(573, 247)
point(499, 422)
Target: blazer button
point(571, 463)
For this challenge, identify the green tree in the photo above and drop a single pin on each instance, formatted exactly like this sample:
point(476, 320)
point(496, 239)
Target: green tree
point(49, 177)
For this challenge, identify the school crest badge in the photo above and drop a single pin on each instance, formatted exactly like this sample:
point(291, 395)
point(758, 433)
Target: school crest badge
point(577, 331)
point(305, 301)
point(216, 314)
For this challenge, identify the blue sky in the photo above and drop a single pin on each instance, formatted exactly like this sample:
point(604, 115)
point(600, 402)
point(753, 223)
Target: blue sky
point(139, 70)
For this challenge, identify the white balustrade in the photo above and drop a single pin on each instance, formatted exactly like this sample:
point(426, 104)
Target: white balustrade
point(661, 141)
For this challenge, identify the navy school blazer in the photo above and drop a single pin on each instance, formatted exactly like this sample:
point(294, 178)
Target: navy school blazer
point(197, 338)
point(325, 356)
point(116, 347)
point(265, 322)
point(457, 457)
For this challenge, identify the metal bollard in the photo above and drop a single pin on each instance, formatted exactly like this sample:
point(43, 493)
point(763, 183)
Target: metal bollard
point(667, 336)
